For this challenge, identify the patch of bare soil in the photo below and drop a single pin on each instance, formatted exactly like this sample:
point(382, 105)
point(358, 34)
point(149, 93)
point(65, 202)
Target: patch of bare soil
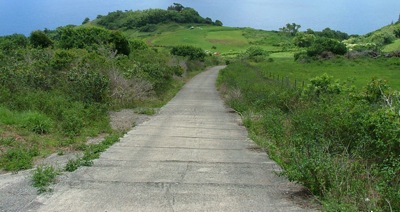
point(126, 119)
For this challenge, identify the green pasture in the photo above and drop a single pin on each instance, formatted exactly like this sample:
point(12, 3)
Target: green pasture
point(228, 41)
point(212, 38)
point(360, 71)
point(395, 46)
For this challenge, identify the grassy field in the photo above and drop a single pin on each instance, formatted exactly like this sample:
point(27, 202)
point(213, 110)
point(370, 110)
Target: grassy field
point(227, 41)
point(360, 71)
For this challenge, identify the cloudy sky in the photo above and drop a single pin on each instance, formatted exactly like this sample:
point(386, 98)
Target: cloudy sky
point(351, 16)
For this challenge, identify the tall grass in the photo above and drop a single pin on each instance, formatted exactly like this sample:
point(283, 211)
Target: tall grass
point(341, 142)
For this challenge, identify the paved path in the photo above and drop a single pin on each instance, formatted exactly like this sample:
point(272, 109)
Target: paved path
point(192, 156)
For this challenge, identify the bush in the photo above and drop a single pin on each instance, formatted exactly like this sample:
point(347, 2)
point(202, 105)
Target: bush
point(43, 176)
point(138, 45)
point(40, 39)
point(12, 42)
point(256, 54)
point(382, 38)
point(72, 122)
point(194, 53)
point(326, 45)
point(91, 38)
point(88, 86)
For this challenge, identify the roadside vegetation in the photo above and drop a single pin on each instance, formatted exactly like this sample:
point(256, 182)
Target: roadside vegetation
point(327, 113)
point(57, 86)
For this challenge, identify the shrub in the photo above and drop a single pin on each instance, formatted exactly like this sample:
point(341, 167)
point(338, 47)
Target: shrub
point(91, 38)
point(61, 59)
point(40, 39)
point(13, 42)
point(73, 165)
point(72, 122)
point(138, 45)
point(43, 176)
point(88, 86)
point(382, 38)
point(322, 85)
point(325, 44)
point(194, 53)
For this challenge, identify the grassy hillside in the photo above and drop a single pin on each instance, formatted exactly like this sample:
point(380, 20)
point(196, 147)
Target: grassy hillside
point(226, 41)
point(395, 46)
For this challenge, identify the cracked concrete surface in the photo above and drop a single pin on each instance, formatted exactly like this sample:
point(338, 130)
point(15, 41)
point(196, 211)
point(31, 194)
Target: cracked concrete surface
point(192, 156)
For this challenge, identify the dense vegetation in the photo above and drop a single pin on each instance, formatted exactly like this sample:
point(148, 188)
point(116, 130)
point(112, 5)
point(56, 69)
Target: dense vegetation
point(340, 142)
point(341, 139)
point(57, 86)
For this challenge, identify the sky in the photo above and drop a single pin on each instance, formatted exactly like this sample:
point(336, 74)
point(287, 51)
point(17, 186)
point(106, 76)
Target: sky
point(350, 16)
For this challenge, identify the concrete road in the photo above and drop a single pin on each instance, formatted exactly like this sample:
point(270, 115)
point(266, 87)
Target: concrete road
point(193, 156)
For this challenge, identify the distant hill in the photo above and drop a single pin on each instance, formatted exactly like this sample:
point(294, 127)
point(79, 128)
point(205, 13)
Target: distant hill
point(146, 20)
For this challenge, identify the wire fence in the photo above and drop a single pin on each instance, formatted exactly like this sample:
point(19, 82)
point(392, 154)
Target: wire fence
point(285, 81)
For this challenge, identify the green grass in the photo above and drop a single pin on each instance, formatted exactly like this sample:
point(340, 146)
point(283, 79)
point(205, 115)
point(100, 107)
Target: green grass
point(225, 40)
point(395, 46)
point(27, 135)
point(204, 37)
point(361, 71)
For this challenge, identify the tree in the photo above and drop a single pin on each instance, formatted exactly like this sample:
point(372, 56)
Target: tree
point(329, 33)
point(208, 20)
point(40, 39)
point(218, 23)
point(176, 7)
point(397, 33)
point(121, 44)
point(85, 21)
point(291, 29)
point(303, 39)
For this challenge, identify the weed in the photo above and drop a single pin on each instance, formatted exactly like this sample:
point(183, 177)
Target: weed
point(18, 158)
point(36, 122)
point(72, 165)
point(43, 176)
point(92, 152)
